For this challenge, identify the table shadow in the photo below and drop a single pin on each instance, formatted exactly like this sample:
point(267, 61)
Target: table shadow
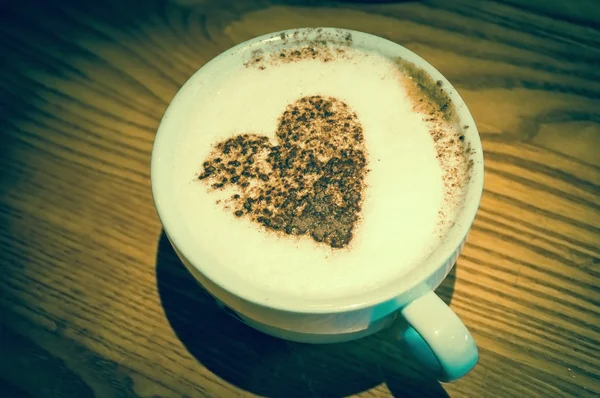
point(272, 367)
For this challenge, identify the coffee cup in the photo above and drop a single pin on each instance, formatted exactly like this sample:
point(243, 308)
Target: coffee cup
point(436, 336)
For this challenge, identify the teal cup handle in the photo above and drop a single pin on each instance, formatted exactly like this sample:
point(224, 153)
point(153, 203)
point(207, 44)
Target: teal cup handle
point(438, 339)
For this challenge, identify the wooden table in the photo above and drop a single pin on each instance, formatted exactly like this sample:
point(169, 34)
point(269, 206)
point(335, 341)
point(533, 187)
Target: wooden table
point(93, 300)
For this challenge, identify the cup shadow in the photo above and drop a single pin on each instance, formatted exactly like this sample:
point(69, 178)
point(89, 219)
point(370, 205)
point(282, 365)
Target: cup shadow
point(272, 367)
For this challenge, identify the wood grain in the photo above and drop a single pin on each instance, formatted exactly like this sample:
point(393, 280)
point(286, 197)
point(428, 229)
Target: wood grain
point(93, 300)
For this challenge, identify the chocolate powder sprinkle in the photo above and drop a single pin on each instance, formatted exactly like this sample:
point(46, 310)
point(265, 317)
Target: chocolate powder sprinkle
point(311, 182)
point(431, 90)
point(431, 101)
point(322, 46)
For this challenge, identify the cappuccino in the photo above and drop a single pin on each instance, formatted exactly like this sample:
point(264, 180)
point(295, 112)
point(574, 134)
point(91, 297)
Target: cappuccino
point(318, 168)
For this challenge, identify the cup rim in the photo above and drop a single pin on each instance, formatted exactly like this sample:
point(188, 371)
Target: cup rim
point(185, 246)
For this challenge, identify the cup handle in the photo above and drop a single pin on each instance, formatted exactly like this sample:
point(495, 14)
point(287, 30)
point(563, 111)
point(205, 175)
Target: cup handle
point(438, 339)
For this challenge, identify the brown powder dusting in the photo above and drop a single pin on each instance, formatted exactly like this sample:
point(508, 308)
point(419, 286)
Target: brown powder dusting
point(317, 51)
point(256, 58)
point(322, 46)
point(435, 102)
point(437, 109)
point(310, 182)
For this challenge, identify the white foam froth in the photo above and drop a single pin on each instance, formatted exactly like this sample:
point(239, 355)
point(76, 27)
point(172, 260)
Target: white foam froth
point(400, 225)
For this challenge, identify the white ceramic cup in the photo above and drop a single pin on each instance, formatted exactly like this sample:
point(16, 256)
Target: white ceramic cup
point(436, 336)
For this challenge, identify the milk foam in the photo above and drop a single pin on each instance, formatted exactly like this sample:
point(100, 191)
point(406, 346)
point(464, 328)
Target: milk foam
point(400, 223)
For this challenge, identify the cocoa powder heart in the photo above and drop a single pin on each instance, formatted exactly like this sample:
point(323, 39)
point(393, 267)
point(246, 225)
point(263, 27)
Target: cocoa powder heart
point(311, 182)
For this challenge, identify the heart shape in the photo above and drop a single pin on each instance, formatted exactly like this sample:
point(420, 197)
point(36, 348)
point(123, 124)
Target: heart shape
point(311, 182)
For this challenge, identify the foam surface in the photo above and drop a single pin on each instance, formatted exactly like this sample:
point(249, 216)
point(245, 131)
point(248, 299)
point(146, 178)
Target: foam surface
point(405, 197)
